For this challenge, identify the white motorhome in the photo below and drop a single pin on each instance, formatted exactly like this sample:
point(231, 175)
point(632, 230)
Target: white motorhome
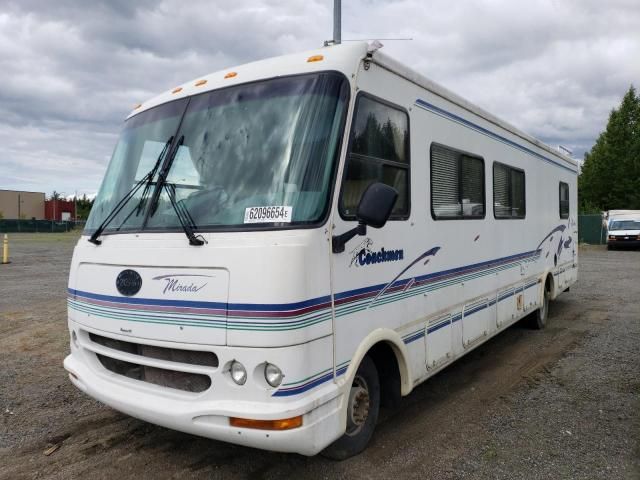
point(279, 248)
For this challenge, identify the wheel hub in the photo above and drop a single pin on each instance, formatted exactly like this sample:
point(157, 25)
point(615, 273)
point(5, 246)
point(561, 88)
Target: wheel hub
point(358, 410)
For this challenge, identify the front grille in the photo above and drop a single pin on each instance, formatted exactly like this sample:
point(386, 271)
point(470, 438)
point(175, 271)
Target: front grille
point(194, 357)
point(186, 381)
point(189, 382)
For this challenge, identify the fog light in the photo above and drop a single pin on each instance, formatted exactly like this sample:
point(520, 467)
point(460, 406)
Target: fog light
point(238, 373)
point(273, 375)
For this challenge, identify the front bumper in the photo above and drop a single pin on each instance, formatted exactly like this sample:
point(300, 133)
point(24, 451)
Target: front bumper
point(207, 414)
point(624, 243)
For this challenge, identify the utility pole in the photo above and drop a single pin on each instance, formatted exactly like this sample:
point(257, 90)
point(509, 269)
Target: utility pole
point(337, 21)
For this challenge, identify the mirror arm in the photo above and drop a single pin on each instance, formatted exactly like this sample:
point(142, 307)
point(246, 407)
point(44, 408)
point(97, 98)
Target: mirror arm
point(338, 241)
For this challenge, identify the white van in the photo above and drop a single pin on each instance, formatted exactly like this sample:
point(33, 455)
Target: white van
point(279, 248)
point(623, 230)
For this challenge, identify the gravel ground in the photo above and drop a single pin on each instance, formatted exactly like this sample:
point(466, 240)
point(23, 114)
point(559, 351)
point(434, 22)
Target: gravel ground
point(559, 403)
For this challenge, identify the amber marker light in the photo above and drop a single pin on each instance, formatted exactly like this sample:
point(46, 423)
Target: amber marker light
point(200, 82)
point(231, 75)
point(283, 424)
point(315, 58)
point(176, 90)
point(137, 106)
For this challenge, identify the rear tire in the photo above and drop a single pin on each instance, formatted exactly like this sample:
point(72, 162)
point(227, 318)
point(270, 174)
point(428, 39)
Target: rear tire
point(539, 317)
point(363, 407)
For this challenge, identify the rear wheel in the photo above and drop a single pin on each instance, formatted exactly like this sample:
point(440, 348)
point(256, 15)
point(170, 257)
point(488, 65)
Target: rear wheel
point(539, 317)
point(363, 407)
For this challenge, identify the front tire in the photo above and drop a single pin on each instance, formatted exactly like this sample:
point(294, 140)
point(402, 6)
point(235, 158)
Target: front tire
point(540, 316)
point(363, 407)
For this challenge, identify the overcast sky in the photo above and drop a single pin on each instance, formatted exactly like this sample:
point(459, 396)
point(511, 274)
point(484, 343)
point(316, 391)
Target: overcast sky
point(70, 71)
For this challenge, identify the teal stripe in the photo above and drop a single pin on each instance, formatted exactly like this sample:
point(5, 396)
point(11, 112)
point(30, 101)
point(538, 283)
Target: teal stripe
point(280, 323)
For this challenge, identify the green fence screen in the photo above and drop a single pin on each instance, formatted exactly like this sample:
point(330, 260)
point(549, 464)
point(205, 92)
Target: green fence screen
point(35, 226)
point(591, 230)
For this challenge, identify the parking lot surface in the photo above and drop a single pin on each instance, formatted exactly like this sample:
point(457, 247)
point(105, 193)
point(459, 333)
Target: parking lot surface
point(559, 403)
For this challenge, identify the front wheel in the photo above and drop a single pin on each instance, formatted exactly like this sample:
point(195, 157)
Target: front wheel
point(363, 407)
point(539, 317)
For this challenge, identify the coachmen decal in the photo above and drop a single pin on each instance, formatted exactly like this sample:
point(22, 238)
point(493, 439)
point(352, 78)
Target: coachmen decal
point(128, 282)
point(177, 283)
point(363, 254)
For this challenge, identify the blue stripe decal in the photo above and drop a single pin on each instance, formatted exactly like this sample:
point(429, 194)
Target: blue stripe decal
point(438, 326)
point(457, 119)
point(285, 307)
point(286, 392)
point(413, 337)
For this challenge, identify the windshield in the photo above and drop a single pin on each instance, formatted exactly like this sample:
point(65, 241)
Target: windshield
point(625, 225)
point(260, 154)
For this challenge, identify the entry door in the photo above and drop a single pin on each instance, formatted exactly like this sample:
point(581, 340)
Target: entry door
point(372, 286)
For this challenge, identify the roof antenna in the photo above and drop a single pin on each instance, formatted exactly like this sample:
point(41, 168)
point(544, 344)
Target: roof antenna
point(337, 24)
point(337, 21)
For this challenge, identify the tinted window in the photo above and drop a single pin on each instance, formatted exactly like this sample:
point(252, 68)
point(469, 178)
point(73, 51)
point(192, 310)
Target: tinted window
point(457, 184)
point(564, 200)
point(508, 192)
point(379, 152)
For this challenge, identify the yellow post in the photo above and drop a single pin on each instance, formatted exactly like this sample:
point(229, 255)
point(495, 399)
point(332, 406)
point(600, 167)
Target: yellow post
point(5, 249)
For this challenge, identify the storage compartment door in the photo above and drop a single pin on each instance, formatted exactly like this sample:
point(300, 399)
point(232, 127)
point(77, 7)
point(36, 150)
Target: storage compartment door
point(475, 321)
point(439, 341)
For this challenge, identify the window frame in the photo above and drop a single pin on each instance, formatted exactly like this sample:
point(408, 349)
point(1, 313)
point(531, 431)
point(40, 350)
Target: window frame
point(524, 191)
point(380, 161)
point(563, 217)
point(484, 182)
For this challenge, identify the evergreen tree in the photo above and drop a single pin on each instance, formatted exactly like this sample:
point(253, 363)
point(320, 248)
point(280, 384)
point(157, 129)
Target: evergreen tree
point(610, 177)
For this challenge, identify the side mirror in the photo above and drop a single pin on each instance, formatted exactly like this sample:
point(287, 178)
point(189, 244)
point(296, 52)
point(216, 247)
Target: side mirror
point(376, 204)
point(373, 210)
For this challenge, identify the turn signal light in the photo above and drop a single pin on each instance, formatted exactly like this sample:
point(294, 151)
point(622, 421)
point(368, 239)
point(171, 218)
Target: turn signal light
point(315, 58)
point(284, 424)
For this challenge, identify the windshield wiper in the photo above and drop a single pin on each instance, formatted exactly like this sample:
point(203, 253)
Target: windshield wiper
point(184, 217)
point(147, 180)
point(147, 188)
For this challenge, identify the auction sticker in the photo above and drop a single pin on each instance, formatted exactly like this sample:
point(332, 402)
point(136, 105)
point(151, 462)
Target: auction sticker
point(267, 214)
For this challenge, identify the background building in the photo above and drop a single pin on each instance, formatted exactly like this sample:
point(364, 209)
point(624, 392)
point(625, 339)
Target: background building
point(17, 204)
point(60, 210)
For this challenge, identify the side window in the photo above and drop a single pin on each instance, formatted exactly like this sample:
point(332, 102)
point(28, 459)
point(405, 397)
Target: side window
point(508, 192)
point(564, 200)
point(457, 184)
point(379, 152)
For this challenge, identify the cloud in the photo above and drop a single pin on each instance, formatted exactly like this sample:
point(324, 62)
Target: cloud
point(71, 70)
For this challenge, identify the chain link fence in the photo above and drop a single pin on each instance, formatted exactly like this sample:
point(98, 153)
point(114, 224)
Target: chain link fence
point(36, 226)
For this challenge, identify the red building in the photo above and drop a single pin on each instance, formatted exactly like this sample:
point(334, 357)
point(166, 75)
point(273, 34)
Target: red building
point(59, 210)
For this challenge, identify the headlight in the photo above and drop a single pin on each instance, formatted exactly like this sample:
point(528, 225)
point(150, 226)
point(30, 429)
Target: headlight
point(273, 375)
point(238, 373)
